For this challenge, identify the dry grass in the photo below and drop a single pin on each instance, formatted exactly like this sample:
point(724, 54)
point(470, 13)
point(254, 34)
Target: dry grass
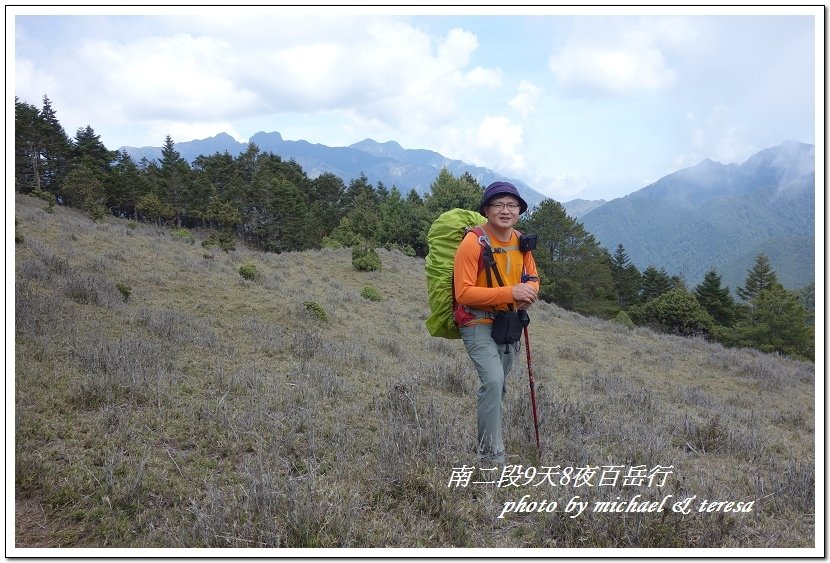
point(207, 410)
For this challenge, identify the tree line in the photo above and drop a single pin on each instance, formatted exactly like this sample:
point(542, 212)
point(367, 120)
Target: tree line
point(272, 205)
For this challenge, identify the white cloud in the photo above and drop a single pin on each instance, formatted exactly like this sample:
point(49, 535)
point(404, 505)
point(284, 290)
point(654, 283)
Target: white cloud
point(716, 136)
point(525, 100)
point(456, 49)
point(180, 76)
point(618, 71)
point(628, 57)
point(375, 69)
point(498, 142)
point(561, 186)
point(494, 142)
point(482, 77)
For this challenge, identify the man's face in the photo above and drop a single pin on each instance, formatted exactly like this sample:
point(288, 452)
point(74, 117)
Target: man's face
point(503, 211)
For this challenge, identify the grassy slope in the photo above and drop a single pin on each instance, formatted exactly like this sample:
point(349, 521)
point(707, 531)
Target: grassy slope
point(207, 410)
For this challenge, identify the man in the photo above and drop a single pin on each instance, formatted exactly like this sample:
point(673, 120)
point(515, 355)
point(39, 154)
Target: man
point(502, 205)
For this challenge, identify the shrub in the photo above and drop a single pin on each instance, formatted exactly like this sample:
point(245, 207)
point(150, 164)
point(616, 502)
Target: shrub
point(131, 225)
point(18, 239)
point(40, 193)
point(329, 242)
point(316, 311)
point(677, 312)
point(223, 240)
point(125, 290)
point(95, 210)
point(371, 294)
point(184, 236)
point(405, 249)
point(365, 260)
point(248, 271)
point(623, 319)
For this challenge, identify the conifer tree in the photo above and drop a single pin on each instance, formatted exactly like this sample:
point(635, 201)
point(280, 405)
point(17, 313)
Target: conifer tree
point(89, 168)
point(414, 197)
point(326, 203)
point(381, 191)
point(655, 283)
point(222, 214)
point(778, 323)
point(759, 278)
point(401, 221)
point(151, 206)
point(175, 175)
point(359, 188)
point(150, 174)
point(27, 141)
point(627, 278)
point(126, 185)
point(220, 172)
point(575, 269)
point(470, 179)
point(448, 192)
point(360, 226)
point(289, 226)
point(88, 146)
point(246, 166)
point(716, 299)
point(807, 297)
point(42, 148)
point(55, 148)
point(84, 187)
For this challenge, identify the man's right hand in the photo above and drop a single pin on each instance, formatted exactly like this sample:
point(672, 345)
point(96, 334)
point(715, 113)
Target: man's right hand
point(524, 295)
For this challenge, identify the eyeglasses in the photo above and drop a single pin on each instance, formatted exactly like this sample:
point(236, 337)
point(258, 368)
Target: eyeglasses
point(499, 206)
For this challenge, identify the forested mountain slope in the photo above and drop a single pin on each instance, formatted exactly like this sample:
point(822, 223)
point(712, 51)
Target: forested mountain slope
point(721, 216)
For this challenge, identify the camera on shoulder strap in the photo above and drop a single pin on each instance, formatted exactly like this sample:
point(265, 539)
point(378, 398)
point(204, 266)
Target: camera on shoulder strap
point(527, 242)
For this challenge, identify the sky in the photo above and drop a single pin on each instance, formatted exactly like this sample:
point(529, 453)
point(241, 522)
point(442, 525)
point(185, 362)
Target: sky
point(576, 103)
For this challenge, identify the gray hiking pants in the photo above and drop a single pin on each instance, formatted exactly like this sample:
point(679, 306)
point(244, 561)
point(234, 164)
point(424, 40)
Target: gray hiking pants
point(493, 362)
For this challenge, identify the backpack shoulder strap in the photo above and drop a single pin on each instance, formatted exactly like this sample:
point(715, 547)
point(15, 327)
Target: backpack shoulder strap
point(485, 260)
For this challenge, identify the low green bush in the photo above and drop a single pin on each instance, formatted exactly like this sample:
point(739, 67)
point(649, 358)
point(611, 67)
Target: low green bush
point(223, 240)
point(405, 249)
point(623, 319)
point(125, 290)
point(371, 294)
point(365, 259)
point(248, 271)
point(316, 311)
point(183, 235)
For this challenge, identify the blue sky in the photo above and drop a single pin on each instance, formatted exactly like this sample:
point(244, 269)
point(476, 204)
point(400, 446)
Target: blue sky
point(576, 106)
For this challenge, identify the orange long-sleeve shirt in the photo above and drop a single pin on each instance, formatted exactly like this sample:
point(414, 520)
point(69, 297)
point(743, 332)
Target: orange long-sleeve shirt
point(471, 285)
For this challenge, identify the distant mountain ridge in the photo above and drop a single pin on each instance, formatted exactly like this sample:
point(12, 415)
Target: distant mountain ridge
point(721, 216)
point(386, 162)
point(577, 208)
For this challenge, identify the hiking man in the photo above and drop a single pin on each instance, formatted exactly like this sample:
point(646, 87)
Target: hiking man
point(481, 305)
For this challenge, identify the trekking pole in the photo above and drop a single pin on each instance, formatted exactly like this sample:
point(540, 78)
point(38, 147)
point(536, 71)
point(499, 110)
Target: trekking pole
point(533, 397)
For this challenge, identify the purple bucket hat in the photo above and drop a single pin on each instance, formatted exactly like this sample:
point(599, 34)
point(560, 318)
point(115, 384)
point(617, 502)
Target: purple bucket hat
point(501, 188)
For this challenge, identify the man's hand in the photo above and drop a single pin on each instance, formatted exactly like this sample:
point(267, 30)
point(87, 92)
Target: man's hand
point(525, 295)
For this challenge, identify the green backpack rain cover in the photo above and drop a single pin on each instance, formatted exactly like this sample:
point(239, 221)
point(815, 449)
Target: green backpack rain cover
point(443, 239)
